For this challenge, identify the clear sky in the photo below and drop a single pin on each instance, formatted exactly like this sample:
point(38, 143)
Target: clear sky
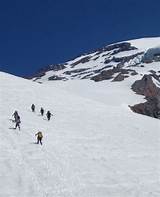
point(36, 33)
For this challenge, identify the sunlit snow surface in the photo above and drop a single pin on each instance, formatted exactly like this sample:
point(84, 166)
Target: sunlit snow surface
point(94, 146)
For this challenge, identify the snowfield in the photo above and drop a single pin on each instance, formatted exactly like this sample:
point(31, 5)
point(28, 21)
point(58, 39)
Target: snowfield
point(94, 146)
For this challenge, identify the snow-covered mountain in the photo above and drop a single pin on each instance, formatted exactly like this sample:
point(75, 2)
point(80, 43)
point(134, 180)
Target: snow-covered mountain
point(124, 61)
point(113, 62)
point(94, 145)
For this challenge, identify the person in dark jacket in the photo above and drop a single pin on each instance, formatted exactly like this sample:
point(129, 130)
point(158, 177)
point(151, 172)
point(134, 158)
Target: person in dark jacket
point(42, 111)
point(49, 115)
point(18, 121)
point(33, 108)
point(15, 115)
point(39, 137)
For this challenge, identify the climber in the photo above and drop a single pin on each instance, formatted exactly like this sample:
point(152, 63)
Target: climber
point(33, 108)
point(39, 137)
point(42, 111)
point(48, 114)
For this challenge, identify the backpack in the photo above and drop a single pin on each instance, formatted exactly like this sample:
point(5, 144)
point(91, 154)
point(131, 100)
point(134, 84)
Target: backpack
point(40, 134)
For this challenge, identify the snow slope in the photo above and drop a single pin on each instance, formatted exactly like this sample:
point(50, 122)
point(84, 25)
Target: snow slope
point(94, 146)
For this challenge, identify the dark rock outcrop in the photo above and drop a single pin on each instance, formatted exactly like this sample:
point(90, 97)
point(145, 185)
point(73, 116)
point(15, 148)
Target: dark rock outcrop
point(55, 77)
point(126, 58)
point(149, 108)
point(96, 58)
point(120, 77)
point(146, 87)
point(104, 75)
point(82, 60)
point(123, 59)
point(75, 71)
point(107, 61)
point(118, 47)
point(87, 76)
point(101, 69)
point(108, 74)
point(134, 73)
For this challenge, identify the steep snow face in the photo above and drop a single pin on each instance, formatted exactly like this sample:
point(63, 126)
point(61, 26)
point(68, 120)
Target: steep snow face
point(93, 145)
point(130, 58)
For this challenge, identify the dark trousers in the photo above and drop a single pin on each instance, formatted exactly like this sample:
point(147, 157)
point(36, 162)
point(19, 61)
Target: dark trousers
point(39, 140)
point(17, 125)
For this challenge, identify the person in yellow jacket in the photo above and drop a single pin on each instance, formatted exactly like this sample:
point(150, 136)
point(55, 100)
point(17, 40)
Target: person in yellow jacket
point(39, 137)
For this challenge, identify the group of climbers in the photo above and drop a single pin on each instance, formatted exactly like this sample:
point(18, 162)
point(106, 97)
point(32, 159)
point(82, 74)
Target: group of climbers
point(48, 114)
point(17, 121)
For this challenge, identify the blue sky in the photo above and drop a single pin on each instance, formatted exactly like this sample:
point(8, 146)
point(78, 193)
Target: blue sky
point(36, 33)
